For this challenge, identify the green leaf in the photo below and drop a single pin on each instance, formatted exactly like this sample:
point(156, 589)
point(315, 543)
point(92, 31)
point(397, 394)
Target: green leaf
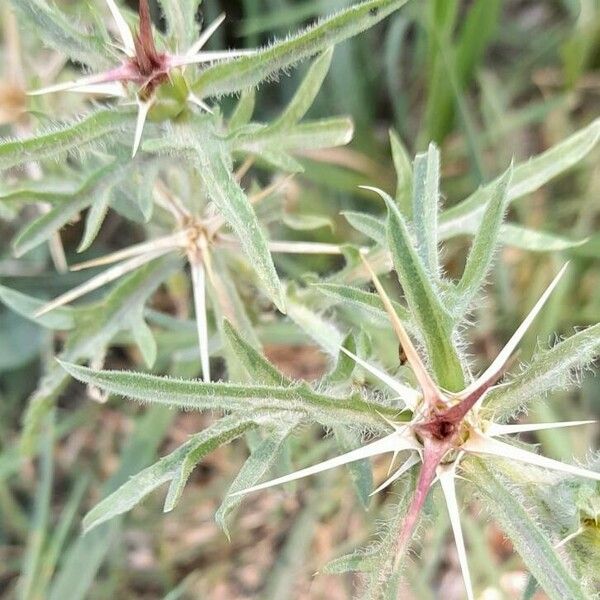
point(549, 370)
point(248, 71)
point(528, 176)
point(485, 242)
point(62, 34)
point(244, 110)
point(274, 145)
point(404, 174)
point(94, 329)
point(144, 338)
point(306, 93)
point(518, 236)
point(366, 301)
point(424, 301)
point(525, 535)
point(360, 470)
point(103, 125)
point(182, 26)
point(42, 228)
point(259, 368)
point(166, 469)
point(94, 219)
point(425, 200)
point(304, 222)
point(368, 225)
point(196, 395)
point(60, 318)
point(344, 366)
point(261, 459)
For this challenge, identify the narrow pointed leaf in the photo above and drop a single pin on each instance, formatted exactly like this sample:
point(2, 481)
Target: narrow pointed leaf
point(258, 367)
point(259, 463)
point(247, 72)
point(306, 93)
point(180, 16)
point(102, 125)
point(56, 30)
point(485, 242)
point(424, 302)
point(425, 201)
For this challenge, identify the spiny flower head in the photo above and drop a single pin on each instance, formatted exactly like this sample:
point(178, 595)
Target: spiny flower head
point(148, 69)
point(444, 427)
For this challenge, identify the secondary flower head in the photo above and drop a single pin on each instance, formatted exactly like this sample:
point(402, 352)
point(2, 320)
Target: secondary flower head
point(443, 429)
point(144, 66)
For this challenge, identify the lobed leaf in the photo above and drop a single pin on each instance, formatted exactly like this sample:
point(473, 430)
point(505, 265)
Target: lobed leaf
point(166, 469)
point(195, 395)
point(261, 459)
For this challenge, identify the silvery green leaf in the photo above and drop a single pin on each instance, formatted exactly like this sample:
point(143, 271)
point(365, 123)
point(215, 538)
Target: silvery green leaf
point(424, 301)
point(248, 71)
point(180, 16)
point(518, 236)
point(319, 329)
point(166, 469)
point(360, 470)
point(63, 34)
point(365, 301)
point(344, 366)
point(258, 367)
point(527, 177)
point(425, 203)
point(368, 225)
point(404, 173)
point(484, 243)
point(94, 219)
point(78, 137)
point(61, 318)
point(276, 145)
point(95, 187)
point(144, 338)
point(303, 222)
point(244, 110)
point(259, 463)
point(528, 539)
point(305, 94)
point(550, 369)
point(95, 327)
point(196, 395)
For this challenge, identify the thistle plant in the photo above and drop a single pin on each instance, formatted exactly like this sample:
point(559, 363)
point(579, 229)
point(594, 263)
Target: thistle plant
point(206, 186)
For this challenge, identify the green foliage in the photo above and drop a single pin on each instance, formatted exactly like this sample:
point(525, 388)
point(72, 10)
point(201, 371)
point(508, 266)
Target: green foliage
point(222, 235)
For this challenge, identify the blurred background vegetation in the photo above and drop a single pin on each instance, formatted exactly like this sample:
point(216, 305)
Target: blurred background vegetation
point(488, 80)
